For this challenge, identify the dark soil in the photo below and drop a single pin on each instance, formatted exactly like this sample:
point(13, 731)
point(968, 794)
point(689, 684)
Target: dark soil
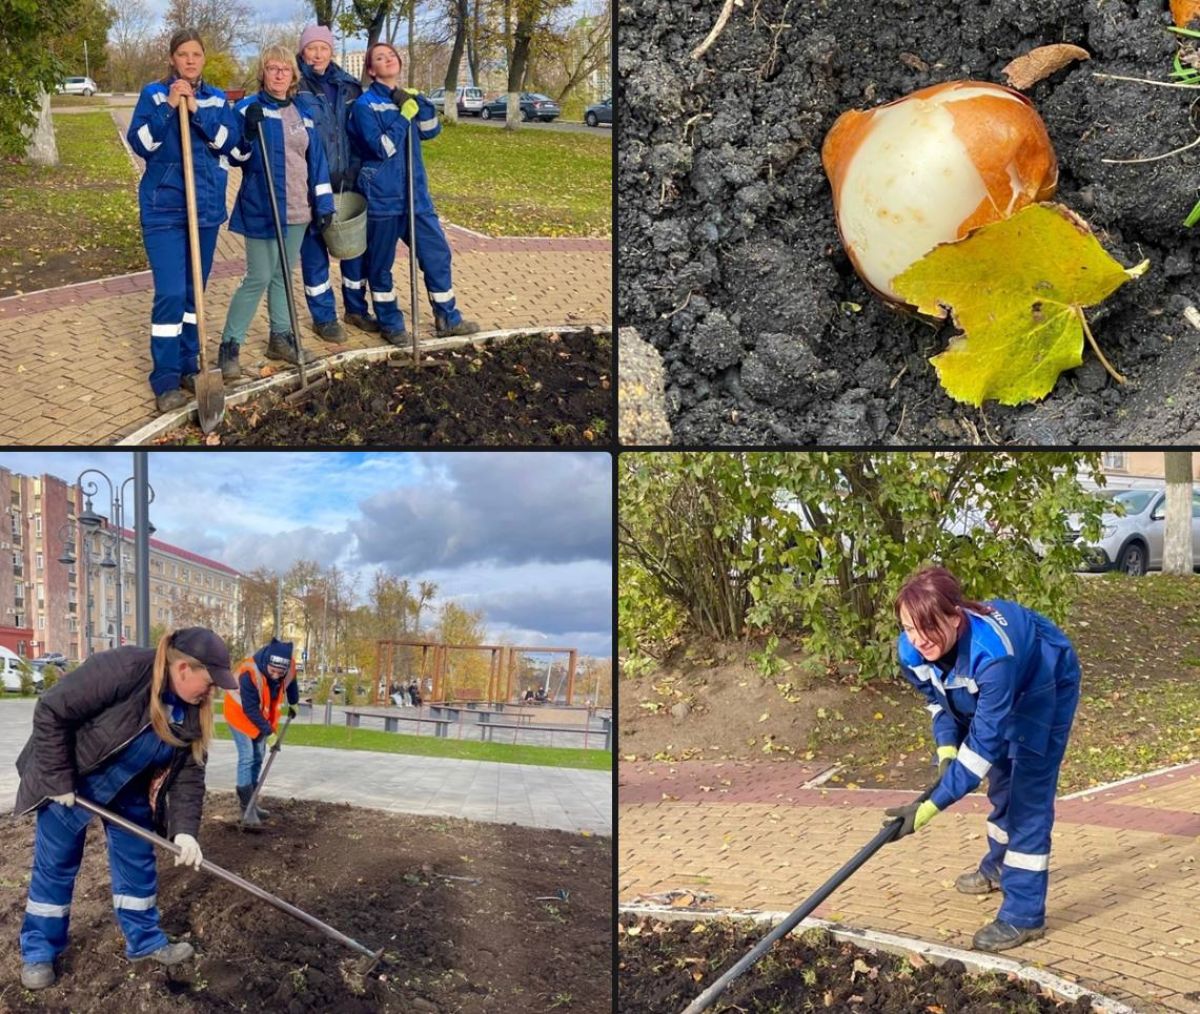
point(729, 258)
point(454, 903)
point(663, 966)
point(531, 389)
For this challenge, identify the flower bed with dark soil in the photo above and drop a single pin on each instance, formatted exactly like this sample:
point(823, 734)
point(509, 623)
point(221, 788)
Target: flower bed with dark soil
point(453, 903)
point(530, 389)
point(663, 966)
point(730, 261)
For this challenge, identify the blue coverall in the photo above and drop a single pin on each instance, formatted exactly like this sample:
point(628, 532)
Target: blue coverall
point(121, 785)
point(154, 135)
point(1007, 704)
point(381, 135)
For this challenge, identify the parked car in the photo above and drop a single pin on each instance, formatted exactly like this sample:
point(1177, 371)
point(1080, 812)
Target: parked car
point(78, 86)
point(534, 106)
point(1131, 533)
point(50, 658)
point(600, 113)
point(10, 671)
point(470, 100)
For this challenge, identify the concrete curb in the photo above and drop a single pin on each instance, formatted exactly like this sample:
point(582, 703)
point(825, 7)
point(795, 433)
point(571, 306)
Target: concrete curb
point(895, 944)
point(290, 377)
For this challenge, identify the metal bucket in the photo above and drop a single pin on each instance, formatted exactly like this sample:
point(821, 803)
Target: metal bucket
point(346, 236)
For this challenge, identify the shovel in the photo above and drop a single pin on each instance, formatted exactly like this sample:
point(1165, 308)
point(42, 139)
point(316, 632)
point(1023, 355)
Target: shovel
point(140, 832)
point(885, 835)
point(266, 771)
point(412, 238)
point(210, 388)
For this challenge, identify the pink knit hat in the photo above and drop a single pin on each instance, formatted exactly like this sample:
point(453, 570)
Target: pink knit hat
point(316, 33)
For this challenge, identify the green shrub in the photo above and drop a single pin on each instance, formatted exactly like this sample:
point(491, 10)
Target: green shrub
point(26, 675)
point(50, 675)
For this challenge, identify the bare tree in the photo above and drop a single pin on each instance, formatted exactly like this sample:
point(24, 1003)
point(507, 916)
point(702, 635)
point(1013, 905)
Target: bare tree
point(576, 53)
point(1177, 533)
point(224, 24)
point(136, 52)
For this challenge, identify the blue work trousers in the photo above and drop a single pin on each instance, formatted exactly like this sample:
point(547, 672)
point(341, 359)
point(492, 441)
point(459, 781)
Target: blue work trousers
point(433, 257)
point(318, 289)
point(174, 337)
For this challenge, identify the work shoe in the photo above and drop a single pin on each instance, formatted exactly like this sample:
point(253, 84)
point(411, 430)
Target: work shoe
point(976, 882)
point(1000, 936)
point(188, 383)
point(169, 400)
point(37, 975)
point(251, 819)
point(363, 322)
point(169, 954)
point(401, 339)
point(227, 359)
point(284, 346)
point(447, 330)
point(329, 330)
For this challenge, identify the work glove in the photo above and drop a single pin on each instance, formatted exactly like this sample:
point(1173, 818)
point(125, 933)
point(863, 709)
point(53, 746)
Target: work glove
point(272, 740)
point(403, 97)
point(291, 709)
point(254, 116)
point(189, 851)
point(945, 755)
point(323, 222)
point(67, 799)
point(915, 815)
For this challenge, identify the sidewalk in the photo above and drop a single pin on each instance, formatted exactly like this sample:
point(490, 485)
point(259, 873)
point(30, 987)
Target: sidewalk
point(1124, 903)
point(74, 360)
point(565, 799)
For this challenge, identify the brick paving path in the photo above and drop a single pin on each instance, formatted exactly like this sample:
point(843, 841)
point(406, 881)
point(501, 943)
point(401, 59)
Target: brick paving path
point(1124, 906)
point(74, 360)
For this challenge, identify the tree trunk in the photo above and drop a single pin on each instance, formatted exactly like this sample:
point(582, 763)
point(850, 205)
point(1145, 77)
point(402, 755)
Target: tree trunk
point(412, 43)
point(450, 106)
point(522, 39)
point(1177, 529)
point(473, 43)
point(43, 148)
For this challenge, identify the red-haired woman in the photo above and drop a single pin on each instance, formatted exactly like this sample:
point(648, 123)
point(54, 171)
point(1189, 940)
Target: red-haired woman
point(1001, 682)
point(128, 729)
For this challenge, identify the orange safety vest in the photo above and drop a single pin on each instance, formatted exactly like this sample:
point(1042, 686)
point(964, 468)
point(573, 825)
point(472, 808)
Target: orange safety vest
point(268, 705)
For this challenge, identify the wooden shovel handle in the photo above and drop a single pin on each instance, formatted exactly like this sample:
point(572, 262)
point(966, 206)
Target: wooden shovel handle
point(189, 189)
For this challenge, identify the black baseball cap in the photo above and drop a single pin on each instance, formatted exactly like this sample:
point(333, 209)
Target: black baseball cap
point(206, 647)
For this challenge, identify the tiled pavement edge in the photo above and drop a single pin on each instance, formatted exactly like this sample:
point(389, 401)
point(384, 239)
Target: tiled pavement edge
point(1122, 917)
point(74, 360)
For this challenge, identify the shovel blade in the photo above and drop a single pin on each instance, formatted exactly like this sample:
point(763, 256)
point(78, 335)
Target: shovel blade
point(210, 399)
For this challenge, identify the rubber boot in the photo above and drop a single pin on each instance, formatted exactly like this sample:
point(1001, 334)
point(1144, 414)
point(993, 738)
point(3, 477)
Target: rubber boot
point(229, 361)
point(249, 819)
point(260, 812)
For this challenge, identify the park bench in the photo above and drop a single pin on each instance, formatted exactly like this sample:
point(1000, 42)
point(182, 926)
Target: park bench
point(487, 729)
point(391, 720)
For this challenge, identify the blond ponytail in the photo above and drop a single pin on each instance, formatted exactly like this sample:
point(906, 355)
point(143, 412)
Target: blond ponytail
point(164, 657)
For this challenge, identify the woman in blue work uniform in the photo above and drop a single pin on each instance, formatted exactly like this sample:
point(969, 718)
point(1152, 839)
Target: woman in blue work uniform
point(154, 135)
point(1001, 683)
point(129, 729)
point(331, 94)
point(379, 124)
point(302, 194)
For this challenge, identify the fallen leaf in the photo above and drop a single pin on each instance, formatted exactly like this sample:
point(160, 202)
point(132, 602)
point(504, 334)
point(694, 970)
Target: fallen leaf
point(1017, 289)
point(764, 716)
point(1038, 64)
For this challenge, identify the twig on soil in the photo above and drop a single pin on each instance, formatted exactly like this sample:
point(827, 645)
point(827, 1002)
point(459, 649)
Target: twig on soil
point(688, 126)
point(717, 29)
point(1152, 158)
point(1096, 348)
point(681, 306)
point(1145, 80)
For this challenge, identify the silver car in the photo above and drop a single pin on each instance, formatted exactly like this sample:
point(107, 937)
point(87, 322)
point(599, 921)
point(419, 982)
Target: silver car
point(1132, 541)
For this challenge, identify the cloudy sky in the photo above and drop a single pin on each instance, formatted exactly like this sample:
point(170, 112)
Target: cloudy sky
point(527, 538)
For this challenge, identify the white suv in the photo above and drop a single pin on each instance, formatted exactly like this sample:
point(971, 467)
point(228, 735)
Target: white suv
point(78, 86)
point(470, 100)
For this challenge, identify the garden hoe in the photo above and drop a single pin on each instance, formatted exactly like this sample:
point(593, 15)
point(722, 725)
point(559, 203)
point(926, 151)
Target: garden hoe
point(412, 239)
point(362, 967)
point(210, 388)
point(249, 820)
point(886, 834)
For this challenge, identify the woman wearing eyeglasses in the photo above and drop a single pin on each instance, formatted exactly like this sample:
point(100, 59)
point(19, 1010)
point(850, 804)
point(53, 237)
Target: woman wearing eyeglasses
point(129, 730)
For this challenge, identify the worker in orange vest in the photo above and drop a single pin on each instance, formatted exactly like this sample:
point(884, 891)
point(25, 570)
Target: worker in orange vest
point(252, 714)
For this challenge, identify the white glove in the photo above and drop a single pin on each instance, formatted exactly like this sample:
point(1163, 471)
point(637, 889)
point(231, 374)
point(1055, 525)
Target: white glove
point(189, 851)
point(67, 799)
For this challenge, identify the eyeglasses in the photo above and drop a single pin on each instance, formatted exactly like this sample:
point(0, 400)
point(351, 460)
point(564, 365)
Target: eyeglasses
point(277, 70)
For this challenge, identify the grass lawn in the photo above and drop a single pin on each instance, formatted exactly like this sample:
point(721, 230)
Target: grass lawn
point(522, 183)
point(71, 222)
point(342, 738)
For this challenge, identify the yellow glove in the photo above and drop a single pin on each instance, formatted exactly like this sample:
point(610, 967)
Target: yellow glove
point(914, 815)
point(409, 109)
point(945, 755)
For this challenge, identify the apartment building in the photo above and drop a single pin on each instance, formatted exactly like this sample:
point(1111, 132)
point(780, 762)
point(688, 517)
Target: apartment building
point(58, 580)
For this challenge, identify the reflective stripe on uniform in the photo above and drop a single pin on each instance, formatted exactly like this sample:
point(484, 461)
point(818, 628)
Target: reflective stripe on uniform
point(47, 910)
point(222, 134)
point(147, 138)
point(384, 297)
point(159, 98)
point(997, 834)
point(973, 762)
point(189, 318)
point(323, 188)
point(388, 145)
point(166, 330)
point(1027, 861)
point(934, 709)
point(212, 100)
point(275, 114)
point(442, 297)
point(998, 630)
point(382, 107)
point(352, 283)
point(307, 122)
point(238, 156)
point(316, 290)
point(428, 124)
point(133, 904)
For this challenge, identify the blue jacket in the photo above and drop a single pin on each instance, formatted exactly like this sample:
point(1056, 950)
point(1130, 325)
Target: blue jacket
point(252, 215)
point(380, 134)
point(332, 119)
point(251, 704)
point(999, 697)
point(154, 135)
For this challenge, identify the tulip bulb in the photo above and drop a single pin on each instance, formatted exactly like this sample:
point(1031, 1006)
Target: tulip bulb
point(930, 167)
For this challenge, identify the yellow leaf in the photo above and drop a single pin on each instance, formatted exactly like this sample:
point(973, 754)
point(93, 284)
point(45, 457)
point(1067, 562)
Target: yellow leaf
point(764, 716)
point(879, 716)
point(1017, 289)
